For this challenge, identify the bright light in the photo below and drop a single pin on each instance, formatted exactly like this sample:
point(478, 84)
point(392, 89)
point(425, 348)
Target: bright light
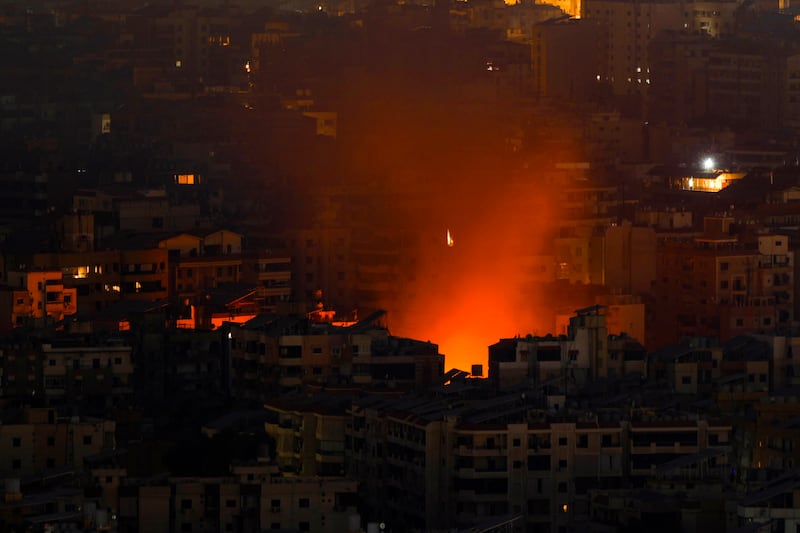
point(247, 67)
point(708, 163)
point(450, 241)
point(564, 508)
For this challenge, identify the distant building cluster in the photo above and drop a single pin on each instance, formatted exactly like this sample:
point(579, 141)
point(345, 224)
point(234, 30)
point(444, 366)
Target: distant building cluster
point(237, 240)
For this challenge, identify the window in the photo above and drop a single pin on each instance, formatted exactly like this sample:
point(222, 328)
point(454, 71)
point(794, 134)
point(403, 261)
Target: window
point(562, 487)
point(686, 380)
point(516, 443)
point(51, 441)
point(230, 504)
point(51, 463)
point(16, 442)
point(562, 441)
point(16, 464)
point(186, 505)
point(304, 503)
point(186, 527)
point(562, 463)
point(724, 266)
point(275, 505)
point(87, 440)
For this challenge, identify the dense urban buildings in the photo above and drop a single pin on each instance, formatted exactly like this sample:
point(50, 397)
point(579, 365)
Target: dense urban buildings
point(376, 265)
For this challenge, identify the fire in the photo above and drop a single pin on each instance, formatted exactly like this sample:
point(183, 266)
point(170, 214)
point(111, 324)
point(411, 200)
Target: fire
point(467, 298)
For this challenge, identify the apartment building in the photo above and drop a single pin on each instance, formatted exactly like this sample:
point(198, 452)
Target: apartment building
point(445, 464)
point(228, 503)
point(37, 440)
point(629, 28)
point(94, 373)
point(101, 278)
point(778, 502)
point(272, 354)
point(690, 368)
point(754, 85)
point(308, 435)
point(717, 286)
point(558, 72)
point(586, 353)
point(204, 262)
point(38, 298)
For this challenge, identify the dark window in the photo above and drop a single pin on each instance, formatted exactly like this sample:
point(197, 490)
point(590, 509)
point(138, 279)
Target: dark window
point(304, 503)
point(562, 441)
point(87, 439)
point(186, 505)
point(230, 503)
point(16, 442)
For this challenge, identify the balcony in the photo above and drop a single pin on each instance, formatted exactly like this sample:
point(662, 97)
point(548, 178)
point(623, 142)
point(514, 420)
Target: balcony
point(480, 451)
point(472, 473)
